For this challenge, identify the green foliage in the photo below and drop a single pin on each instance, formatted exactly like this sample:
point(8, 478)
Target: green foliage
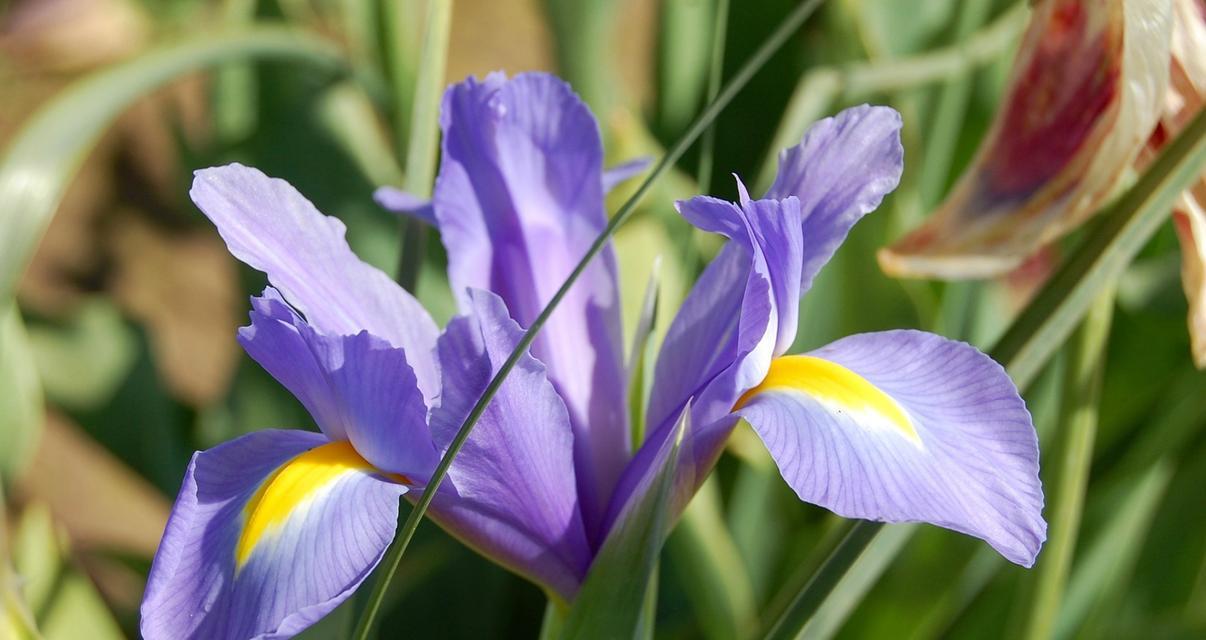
point(20, 393)
point(611, 601)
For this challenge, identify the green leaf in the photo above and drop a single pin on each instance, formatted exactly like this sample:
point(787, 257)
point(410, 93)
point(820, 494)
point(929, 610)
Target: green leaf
point(46, 153)
point(1102, 569)
point(20, 393)
point(97, 334)
point(582, 38)
point(424, 133)
point(817, 90)
point(683, 55)
point(66, 603)
point(16, 619)
point(816, 593)
point(710, 568)
point(1080, 400)
point(640, 356)
point(612, 598)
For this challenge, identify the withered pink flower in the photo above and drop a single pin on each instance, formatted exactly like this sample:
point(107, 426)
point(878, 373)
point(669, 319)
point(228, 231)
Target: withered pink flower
point(1097, 88)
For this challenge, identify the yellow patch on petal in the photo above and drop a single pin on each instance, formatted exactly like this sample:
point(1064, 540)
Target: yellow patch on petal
point(835, 387)
point(289, 486)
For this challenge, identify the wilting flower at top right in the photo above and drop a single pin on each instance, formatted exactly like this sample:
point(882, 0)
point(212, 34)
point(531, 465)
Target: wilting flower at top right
point(1098, 87)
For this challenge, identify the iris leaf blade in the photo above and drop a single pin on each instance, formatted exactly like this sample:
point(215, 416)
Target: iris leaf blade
point(20, 393)
point(710, 568)
point(423, 132)
point(1081, 397)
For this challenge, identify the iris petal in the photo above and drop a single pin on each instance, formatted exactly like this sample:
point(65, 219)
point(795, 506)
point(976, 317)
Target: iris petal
point(512, 494)
point(356, 387)
point(270, 532)
point(519, 201)
point(906, 426)
point(270, 226)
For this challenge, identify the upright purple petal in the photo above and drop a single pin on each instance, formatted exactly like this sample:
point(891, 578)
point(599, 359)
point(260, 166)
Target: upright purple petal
point(519, 200)
point(357, 387)
point(270, 532)
point(267, 224)
point(906, 426)
point(719, 344)
point(744, 310)
point(513, 493)
point(840, 172)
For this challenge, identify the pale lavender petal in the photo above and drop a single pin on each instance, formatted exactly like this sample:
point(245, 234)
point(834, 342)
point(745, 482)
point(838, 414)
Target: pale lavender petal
point(513, 493)
point(356, 387)
point(840, 172)
point(952, 443)
point(270, 226)
point(399, 201)
point(519, 201)
point(624, 171)
point(298, 569)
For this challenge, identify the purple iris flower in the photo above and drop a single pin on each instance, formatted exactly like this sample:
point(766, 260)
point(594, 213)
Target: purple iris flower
point(274, 529)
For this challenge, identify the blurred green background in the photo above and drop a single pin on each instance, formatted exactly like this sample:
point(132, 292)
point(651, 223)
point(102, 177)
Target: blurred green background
point(119, 360)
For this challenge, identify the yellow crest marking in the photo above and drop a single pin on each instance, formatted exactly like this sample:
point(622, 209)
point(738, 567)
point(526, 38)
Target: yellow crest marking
point(835, 386)
point(291, 484)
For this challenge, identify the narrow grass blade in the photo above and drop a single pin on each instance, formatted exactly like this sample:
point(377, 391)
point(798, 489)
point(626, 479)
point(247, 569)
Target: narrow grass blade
point(582, 38)
point(855, 584)
point(820, 88)
point(1083, 374)
point(682, 62)
point(1101, 572)
point(42, 159)
point(424, 133)
point(612, 600)
point(814, 594)
point(640, 356)
point(710, 568)
point(772, 44)
point(715, 74)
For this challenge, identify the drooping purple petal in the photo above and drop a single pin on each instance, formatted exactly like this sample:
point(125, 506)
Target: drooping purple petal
point(270, 532)
point(513, 494)
point(842, 169)
point(906, 426)
point(267, 224)
point(399, 201)
point(519, 200)
point(357, 387)
point(624, 171)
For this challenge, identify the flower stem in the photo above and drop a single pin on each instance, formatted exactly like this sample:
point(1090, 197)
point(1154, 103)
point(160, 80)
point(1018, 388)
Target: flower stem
point(768, 48)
